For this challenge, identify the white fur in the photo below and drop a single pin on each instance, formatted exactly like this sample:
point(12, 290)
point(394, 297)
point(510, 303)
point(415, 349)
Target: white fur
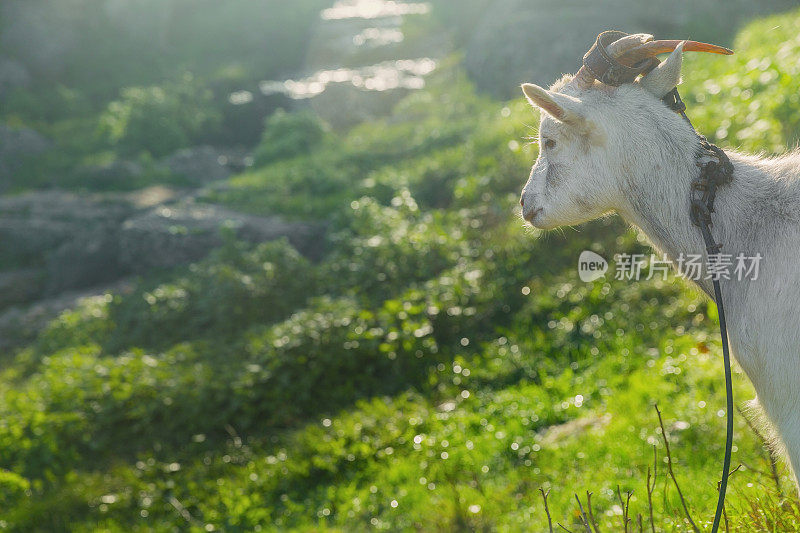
point(634, 156)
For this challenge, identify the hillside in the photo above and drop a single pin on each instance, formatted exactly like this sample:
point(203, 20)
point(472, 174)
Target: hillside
point(421, 361)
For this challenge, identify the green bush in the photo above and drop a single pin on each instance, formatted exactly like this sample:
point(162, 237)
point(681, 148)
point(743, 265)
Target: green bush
point(289, 135)
point(381, 250)
point(317, 187)
point(13, 488)
point(159, 119)
point(216, 298)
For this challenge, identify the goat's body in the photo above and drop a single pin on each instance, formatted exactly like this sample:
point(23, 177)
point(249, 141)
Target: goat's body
point(758, 213)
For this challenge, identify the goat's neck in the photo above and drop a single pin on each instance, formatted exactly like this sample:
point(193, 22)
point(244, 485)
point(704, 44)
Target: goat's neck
point(657, 200)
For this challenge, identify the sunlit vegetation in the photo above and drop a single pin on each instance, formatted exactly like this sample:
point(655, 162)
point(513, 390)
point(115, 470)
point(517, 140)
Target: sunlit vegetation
point(436, 367)
point(751, 100)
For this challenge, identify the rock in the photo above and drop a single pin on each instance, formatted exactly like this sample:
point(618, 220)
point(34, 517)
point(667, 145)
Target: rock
point(34, 224)
point(170, 235)
point(113, 175)
point(88, 258)
point(343, 106)
point(55, 241)
point(198, 165)
point(21, 141)
point(151, 196)
point(73, 237)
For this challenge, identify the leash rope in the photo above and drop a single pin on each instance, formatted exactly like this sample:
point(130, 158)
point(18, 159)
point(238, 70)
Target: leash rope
point(715, 169)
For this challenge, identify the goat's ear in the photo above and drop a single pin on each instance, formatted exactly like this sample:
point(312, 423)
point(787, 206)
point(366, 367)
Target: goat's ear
point(666, 76)
point(559, 106)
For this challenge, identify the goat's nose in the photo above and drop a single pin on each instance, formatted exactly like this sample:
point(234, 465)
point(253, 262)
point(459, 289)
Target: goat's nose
point(530, 216)
point(522, 201)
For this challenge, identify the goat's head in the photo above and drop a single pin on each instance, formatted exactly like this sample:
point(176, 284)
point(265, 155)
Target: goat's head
point(590, 131)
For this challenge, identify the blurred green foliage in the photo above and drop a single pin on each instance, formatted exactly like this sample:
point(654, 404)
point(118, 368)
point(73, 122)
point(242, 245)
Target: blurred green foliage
point(751, 100)
point(430, 372)
point(106, 84)
point(159, 120)
point(288, 135)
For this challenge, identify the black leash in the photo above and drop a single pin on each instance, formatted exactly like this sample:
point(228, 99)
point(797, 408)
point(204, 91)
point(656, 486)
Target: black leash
point(715, 169)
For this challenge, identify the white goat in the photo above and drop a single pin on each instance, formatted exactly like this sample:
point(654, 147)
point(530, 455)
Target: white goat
point(620, 149)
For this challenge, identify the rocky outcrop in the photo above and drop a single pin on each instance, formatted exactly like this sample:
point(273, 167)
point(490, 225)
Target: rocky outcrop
point(115, 175)
point(170, 235)
point(190, 167)
point(34, 226)
point(54, 241)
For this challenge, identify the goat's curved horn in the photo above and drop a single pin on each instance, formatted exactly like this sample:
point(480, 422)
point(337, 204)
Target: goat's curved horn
point(632, 49)
point(631, 56)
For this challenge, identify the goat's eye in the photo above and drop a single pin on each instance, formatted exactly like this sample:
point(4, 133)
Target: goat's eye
point(549, 144)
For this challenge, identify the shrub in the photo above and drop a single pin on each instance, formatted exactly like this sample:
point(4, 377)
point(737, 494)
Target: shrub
point(12, 488)
point(288, 135)
point(216, 298)
point(157, 119)
point(384, 249)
